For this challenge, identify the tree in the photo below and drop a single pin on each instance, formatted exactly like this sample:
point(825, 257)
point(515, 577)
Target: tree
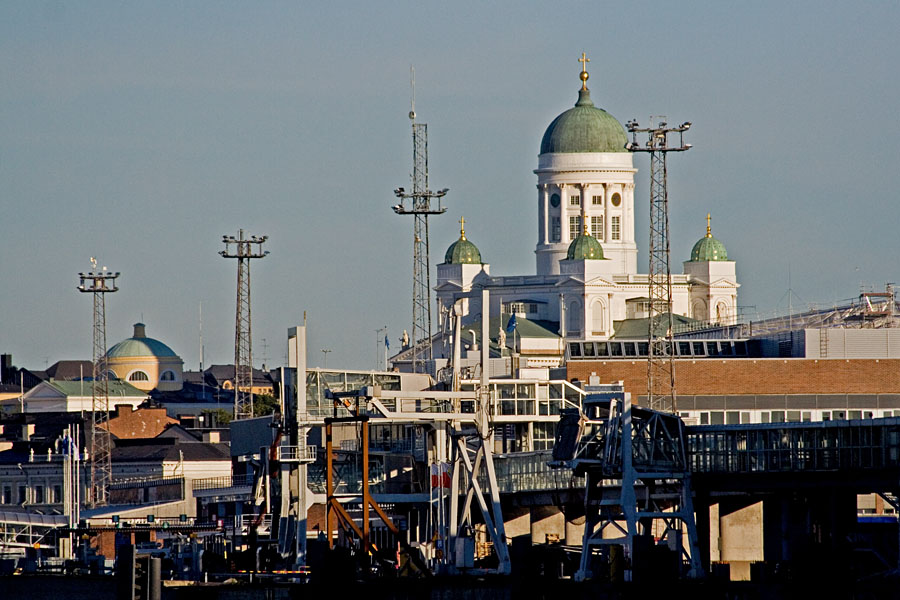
point(219, 416)
point(265, 404)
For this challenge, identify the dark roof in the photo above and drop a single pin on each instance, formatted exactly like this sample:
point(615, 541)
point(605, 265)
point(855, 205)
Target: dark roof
point(70, 369)
point(216, 374)
point(168, 448)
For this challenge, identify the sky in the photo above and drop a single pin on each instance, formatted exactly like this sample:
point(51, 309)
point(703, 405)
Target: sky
point(141, 133)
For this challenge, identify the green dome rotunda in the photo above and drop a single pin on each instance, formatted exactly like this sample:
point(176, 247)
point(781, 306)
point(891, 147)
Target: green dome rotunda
point(462, 251)
point(585, 247)
point(584, 128)
point(708, 248)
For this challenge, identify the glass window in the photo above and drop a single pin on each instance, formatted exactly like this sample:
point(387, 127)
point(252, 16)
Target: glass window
point(684, 348)
point(57, 494)
point(711, 349)
point(38, 494)
point(138, 376)
point(793, 416)
point(575, 349)
point(643, 348)
point(167, 376)
point(588, 348)
point(595, 200)
point(630, 349)
point(597, 227)
point(554, 200)
point(615, 348)
point(698, 348)
point(764, 417)
point(7, 494)
point(616, 232)
point(575, 199)
point(555, 232)
point(732, 418)
point(839, 414)
point(717, 417)
point(574, 227)
point(704, 418)
point(856, 414)
point(23, 494)
point(778, 416)
point(807, 416)
point(745, 417)
point(602, 349)
point(740, 348)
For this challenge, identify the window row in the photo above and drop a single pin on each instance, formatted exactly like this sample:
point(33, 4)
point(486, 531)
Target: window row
point(37, 494)
point(597, 200)
point(617, 349)
point(736, 417)
point(596, 228)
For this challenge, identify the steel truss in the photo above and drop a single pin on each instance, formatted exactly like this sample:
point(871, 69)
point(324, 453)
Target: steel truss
point(98, 284)
point(244, 250)
point(660, 359)
point(637, 477)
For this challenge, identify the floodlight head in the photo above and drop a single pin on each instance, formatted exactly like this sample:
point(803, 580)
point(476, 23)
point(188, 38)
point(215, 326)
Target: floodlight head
point(686, 125)
point(629, 146)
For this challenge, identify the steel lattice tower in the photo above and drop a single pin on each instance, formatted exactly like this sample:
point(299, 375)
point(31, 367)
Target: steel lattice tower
point(660, 361)
point(99, 284)
point(420, 207)
point(244, 250)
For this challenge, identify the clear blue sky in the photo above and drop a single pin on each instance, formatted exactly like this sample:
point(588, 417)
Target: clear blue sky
point(140, 133)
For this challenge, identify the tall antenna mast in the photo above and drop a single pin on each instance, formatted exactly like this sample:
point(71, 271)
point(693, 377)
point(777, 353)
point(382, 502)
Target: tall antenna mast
point(420, 207)
point(243, 251)
point(99, 283)
point(660, 359)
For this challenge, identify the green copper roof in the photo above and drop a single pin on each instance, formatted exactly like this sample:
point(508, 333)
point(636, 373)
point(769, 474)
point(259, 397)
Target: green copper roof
point(584, 128)
point(584, 247)
point(708, 249)
point(140, 345)
point(462, 251)
point(84, 388)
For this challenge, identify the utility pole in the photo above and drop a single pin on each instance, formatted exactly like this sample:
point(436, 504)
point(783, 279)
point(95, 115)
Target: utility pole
point(660, 357)
point(243, 250)
point(379, 342)
point(325, 360)
point(420, 207)
point(99, 283)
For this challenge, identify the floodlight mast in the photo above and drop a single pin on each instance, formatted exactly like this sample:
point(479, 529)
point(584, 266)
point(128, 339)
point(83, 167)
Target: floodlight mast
point(243, 250)
point(661, 344)
point(98, 284)
point(420, 207)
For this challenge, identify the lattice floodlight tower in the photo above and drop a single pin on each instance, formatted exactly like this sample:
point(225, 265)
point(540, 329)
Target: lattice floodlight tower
point(243, 249)
point(420, 207)
point(646, 451)
point(660, 358)
point(99, 283)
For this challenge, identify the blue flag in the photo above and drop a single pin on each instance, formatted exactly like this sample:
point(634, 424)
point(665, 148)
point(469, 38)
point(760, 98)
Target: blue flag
point(511, 325)
point(387, 344)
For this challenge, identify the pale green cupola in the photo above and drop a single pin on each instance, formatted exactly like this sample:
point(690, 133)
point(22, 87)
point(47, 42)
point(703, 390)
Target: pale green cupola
point(708, 248)
point(585, 247)
point(462, 251)
point(584, 128)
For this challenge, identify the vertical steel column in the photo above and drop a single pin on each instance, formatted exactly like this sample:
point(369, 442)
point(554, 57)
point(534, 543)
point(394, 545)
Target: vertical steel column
point(367, 500)
point(329, 486)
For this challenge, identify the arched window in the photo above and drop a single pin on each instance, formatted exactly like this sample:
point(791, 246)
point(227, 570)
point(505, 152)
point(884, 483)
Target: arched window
point(111, 376)
point(167, 376)
point(699, 311)
point(574, 318)
point(721, 312)
point(598, 318)
point(138, 376)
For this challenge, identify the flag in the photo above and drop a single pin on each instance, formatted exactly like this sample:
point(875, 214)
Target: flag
point(511, 325)
point(387, 344)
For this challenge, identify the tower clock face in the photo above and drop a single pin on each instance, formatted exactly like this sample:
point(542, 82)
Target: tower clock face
point(554, 200)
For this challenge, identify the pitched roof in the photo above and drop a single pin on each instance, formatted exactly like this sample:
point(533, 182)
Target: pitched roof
point(168, 448)
point(117, 388)
point(70, 369)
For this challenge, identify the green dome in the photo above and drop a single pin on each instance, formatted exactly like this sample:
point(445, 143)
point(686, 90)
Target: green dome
point(584, 247)
point(462, 251)
point(140, 345)
point(708, 248)
point(584, 128)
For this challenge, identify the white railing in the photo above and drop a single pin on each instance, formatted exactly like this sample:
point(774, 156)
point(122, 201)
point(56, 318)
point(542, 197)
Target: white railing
point(302, 454)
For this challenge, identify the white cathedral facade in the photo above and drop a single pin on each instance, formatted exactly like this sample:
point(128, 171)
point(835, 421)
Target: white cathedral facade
point(586, 277)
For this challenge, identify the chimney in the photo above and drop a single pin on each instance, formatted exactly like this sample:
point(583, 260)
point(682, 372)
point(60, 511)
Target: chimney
point(124, 409)
point(139, 330)
point(211, 437)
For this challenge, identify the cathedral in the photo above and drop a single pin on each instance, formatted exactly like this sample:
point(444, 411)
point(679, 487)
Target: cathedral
point(586, 281)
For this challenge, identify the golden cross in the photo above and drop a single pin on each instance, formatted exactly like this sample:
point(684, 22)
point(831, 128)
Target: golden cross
point(462, 227)
point(708, 228)
point(584, 60)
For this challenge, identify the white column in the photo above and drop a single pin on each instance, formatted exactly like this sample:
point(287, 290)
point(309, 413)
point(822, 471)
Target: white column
point(563, 213)
point(544, 236)
point(628, 212)
point(606, 217)
point(586, 205)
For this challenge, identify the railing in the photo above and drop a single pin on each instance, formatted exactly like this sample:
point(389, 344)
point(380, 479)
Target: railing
point(850, 446)
point(145, 482)
point(304, 454)
point(223, 482)
point(529, 472)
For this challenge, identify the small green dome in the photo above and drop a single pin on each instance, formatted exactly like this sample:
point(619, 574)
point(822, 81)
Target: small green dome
point(584, 247)
point(140, 345)
point(584, 128)
point(708, 248)
point(462, 251)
